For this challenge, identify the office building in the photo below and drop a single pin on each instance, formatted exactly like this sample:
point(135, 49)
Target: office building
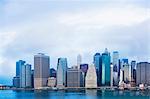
point(51, 82)
point(143, 73)
point(91, 77)
point(16, 82)
point(116, 67)
point(73, 77)
point(61, 72)
point(133, 71)
point(41, 70)
point(106, 68)
point(53, 72)
point(84, 69)
point(98, 65)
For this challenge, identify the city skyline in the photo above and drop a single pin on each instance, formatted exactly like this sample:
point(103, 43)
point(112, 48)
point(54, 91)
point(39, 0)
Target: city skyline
point(66, 29)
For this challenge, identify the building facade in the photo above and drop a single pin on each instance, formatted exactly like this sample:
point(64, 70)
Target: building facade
point(143, 73)
point(61, 72)
point(91, 77)
point(116, 67)
point(41, 70)
point(98, 65)
point(73, 77)
point(106, 68)
point(84, 69)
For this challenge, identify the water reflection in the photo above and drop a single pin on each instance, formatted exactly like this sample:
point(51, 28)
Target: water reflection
point(75, 94)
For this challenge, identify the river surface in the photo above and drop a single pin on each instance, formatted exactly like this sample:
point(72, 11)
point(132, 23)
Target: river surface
point(84, 94)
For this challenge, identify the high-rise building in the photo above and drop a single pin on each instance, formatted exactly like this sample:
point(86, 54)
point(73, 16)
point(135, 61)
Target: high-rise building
point(116, 67)
point(111, 69)
point(91, 77)
point(23, 75)
point(98, 64)
point(61, 72)
point(79, 61)
point(106, 68)
point(84, 69)
point(143, 73)
point(32, 78)
point(19, 64)
point(126, 70)
point(126, 73)
point(73, 77)
point(41, 70)
point(25, 78)
point(133, 71)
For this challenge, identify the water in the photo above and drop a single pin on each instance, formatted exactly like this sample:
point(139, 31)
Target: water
point(85, 94)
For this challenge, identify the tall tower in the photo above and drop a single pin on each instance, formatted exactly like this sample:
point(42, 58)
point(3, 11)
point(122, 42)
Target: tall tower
point(25, 80)
point(41, 70)
point(116, 67)
point(61, 72)
point(98, 65)
point(106, 68)
point(79, 60)
point(111, 68)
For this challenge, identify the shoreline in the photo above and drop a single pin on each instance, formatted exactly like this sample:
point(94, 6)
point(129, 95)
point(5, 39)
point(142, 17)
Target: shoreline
point(78, 89)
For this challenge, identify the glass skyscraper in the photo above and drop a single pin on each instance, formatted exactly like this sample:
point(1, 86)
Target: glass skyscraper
point(116, 67)
point(106, 68)
point(98, 66)
point(61, 72)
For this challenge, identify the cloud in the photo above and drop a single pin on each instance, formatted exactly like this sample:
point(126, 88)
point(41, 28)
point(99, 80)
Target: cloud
point(62, 29)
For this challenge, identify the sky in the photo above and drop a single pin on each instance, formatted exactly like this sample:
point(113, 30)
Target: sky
point(66, 28)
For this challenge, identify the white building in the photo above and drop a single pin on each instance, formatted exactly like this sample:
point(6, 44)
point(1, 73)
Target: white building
point(91, 77)
point(51, 81)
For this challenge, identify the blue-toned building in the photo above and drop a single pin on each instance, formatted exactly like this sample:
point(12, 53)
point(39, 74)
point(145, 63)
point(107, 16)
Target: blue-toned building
point(61, 72)
point(115, 67)
point(23, 75)
point(53, 72)
point(25, 78)
point(84, 69)
point(19, 64)
point(106, 68)
point(98, 66)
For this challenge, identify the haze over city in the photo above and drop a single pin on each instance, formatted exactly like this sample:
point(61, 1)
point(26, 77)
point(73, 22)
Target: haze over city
point(65, 28)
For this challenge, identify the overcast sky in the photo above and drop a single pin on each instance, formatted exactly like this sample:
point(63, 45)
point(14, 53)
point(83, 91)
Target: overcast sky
point(66, 28)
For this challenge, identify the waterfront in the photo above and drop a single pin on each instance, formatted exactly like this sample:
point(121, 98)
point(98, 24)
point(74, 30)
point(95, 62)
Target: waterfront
point(74, 94)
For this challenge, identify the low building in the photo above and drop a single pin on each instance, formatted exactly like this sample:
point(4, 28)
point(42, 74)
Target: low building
point(51, 82)
point(16, 82)
point(73, 77)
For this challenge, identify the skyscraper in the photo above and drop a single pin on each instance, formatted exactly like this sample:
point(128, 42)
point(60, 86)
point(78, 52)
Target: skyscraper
point(91, 77)
point(41, 70)
point(116, 67)
point(25, 80)
point(61, 72)
point(106, 68)
point(111, 69)
point(79, 61)
point(19, 64)
point(84, 69)
point(23, 75)
point(98, 65)
point(133, 71)
point(143, 73)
